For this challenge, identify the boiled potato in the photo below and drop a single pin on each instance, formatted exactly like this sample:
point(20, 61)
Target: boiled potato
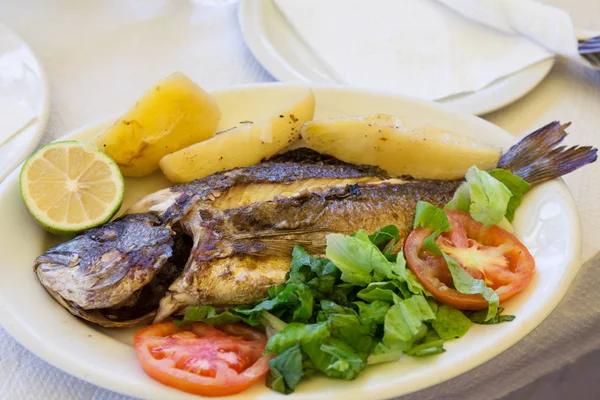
point(241, 146)
point(172, 115)
point(381, 140)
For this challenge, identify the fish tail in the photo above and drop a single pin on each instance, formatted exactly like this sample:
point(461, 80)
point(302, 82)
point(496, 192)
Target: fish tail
point(538, 157)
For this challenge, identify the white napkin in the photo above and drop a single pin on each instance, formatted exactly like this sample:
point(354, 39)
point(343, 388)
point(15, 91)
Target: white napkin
point(548, 26)
point(423, 48)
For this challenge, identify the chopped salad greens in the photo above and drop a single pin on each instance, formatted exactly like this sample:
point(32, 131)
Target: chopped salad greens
point(489, 197)
point(361, 305)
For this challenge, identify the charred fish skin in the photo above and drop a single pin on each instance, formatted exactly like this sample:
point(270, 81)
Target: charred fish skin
point(104, 267)
point(295, 165)
point(284, 173)
point(243, 251)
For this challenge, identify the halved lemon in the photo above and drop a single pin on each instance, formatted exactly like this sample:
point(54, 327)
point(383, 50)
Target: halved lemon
point(71, 186)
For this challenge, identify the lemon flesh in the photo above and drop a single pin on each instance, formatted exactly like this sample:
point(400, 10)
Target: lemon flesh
point(71, 186)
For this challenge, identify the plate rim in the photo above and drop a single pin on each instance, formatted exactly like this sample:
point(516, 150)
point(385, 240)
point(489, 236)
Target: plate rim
point(42, 122)
point(27, 339)
point(262, 51)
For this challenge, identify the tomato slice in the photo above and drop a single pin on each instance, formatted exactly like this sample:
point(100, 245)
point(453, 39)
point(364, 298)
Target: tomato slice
point(489, 253)
point(202, 359)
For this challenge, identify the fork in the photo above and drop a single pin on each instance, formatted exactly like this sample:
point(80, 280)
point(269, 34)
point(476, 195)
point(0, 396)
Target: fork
point(590, 50)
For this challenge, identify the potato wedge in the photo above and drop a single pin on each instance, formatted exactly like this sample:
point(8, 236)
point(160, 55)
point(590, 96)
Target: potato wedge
point(172, 115)
point(382, 141)
point(241, 146)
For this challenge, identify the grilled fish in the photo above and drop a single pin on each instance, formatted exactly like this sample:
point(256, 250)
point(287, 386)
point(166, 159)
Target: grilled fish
point(236, 229)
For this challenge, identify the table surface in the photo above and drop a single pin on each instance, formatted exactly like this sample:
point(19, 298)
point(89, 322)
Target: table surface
point(100, 55)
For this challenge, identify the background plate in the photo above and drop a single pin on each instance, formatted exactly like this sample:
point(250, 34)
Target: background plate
point(22, 79)
point(547, 222)
point(278, 48)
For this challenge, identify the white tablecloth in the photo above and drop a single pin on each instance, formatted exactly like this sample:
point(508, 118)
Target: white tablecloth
point(100, 55)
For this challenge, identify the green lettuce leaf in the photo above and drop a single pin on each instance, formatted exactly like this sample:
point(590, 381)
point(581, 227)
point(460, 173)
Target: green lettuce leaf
point(351, 330)
point(305, 266)
point(355, 256)
point(517, 186)
point(487, 197)
point(286, 370)
point(323, 285)
point(465, 283)
point(430, 217)
point(211, 316)
point(382, 291)
point(383, 354)
point(361, 262)
point(385, 239)
point(329, 308)
point(317, 273)
point(359, 305)
point(373, 312)
point(297, 297)
point(430, 345)
point(271, 323)
point(337, 347)
point(461, 200)
point(405, 275)
point(450, 323)
point(343, 293)
point(346, 363)
point(294, 333)
point(479, 317)
point(430, 245)
point(404, 323)
point(309, 339)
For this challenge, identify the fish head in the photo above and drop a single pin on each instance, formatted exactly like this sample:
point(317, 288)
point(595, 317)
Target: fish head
point(107, 267)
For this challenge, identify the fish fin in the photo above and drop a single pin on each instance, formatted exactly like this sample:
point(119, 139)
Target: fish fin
point(283, 247)
point(538, 157)
point(277, 242)
point(272, 234)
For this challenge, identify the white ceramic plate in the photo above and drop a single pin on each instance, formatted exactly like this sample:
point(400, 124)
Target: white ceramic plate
point(24, 92)
point(278, 48)
point(547, 222)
